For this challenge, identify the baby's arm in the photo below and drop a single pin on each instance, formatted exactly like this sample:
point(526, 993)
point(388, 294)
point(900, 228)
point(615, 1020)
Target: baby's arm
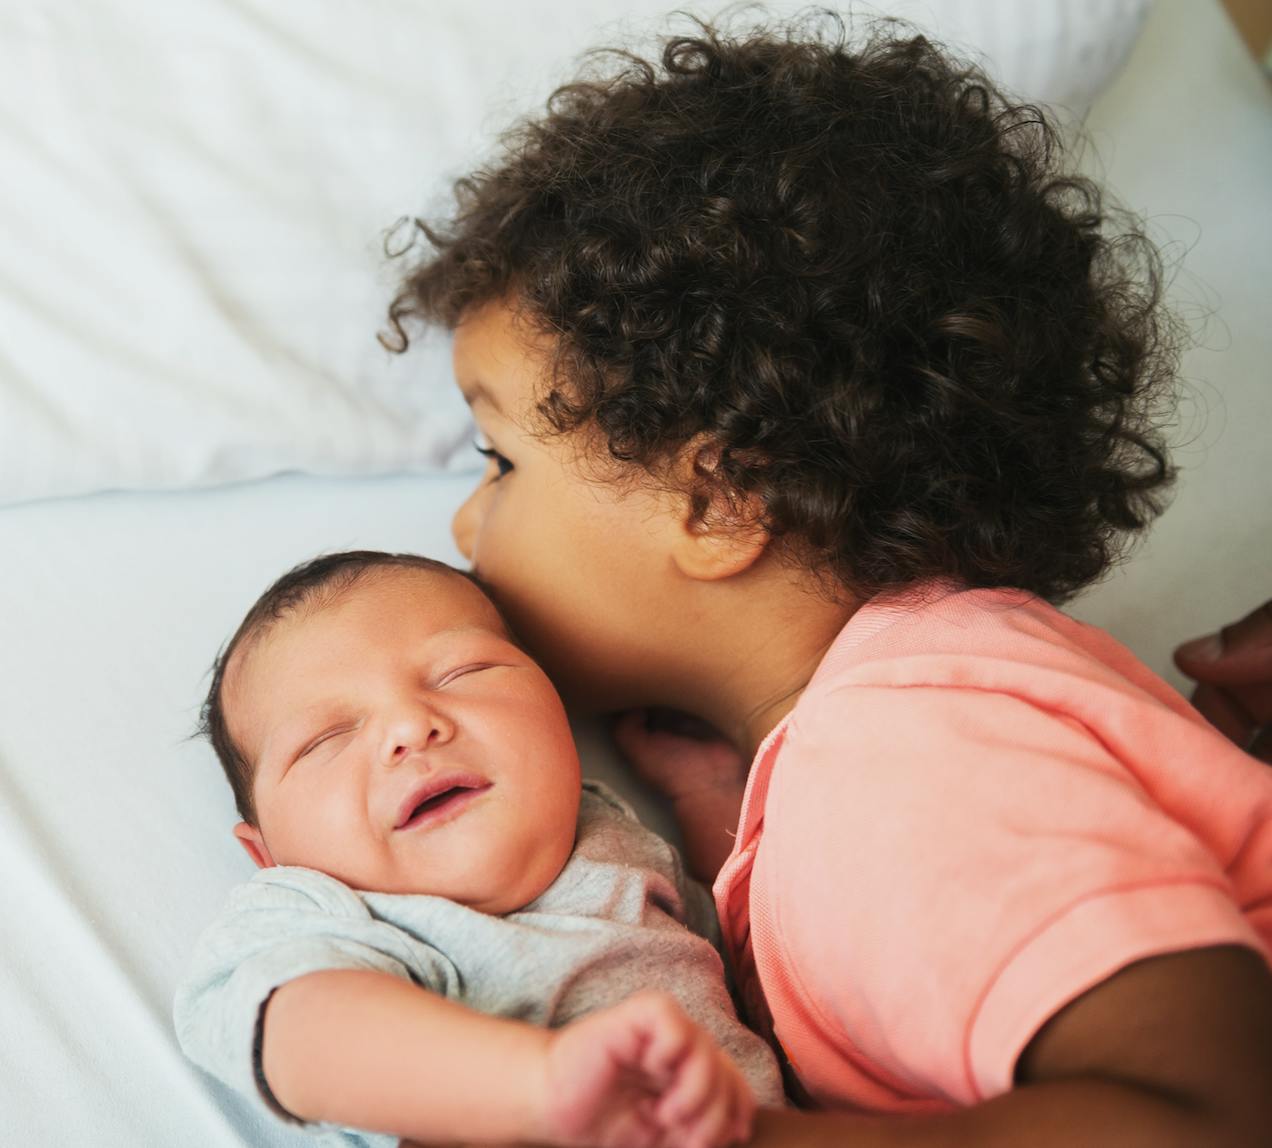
point(370, 1050)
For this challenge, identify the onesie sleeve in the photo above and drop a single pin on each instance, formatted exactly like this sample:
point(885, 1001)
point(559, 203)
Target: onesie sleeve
point(944, 869)
point(282, 924)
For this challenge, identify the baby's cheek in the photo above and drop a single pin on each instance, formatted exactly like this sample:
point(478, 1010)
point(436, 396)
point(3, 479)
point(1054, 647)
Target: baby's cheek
point(330, 825)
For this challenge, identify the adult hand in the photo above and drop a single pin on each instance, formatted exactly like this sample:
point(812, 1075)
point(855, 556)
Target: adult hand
point(641, 1074)
point(1233, 669)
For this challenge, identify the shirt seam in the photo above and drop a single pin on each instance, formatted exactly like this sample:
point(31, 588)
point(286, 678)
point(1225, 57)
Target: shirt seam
point(1054, 919)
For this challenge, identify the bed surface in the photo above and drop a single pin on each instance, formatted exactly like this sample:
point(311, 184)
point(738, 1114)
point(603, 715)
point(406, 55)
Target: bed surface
point(114, 825)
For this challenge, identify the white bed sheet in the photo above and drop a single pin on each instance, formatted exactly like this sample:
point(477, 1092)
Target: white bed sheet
point(114, 828)
point(194, 192)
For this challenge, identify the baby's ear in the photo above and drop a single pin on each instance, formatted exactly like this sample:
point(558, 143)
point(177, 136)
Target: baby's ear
point(252, 841)
point(722, 532)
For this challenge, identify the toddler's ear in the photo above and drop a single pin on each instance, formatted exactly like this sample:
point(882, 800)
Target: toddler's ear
point(721, 532)
point(252, 841)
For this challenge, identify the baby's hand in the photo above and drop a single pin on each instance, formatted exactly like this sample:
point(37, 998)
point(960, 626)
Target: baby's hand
point(678, 755)
point(642, 1075)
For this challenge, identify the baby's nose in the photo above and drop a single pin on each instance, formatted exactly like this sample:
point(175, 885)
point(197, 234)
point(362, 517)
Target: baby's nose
point(417, 729)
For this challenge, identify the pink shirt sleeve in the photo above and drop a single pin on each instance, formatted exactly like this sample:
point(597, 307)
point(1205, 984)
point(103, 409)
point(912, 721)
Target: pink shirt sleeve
point(947, 868)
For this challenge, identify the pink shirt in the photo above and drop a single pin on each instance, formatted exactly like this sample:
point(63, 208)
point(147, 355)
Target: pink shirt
point(978, 810)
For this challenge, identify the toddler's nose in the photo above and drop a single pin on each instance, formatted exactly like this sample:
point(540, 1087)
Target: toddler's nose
point(464, 524)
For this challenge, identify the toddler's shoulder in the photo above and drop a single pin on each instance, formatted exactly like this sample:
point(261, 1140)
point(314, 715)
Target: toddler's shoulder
point(1000, 641)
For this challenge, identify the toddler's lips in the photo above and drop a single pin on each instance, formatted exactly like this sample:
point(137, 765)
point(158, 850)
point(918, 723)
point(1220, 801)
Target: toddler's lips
point(439, 797)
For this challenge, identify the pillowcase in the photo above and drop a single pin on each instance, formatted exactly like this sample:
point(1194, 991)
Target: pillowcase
point(196, 195)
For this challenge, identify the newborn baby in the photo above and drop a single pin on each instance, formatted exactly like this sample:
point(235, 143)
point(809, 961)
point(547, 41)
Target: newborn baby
point(450, 937)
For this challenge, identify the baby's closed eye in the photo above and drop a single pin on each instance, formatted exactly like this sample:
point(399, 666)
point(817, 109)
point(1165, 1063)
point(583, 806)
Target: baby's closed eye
point(328, 737)
point(464, 671)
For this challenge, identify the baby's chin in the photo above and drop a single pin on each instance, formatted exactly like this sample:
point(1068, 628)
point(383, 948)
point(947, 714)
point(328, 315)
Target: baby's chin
point(503, 886)
point(501, 903)
point(497, 898)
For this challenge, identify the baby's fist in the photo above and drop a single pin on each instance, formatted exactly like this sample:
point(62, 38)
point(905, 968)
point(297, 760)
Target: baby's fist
point(642, 1075)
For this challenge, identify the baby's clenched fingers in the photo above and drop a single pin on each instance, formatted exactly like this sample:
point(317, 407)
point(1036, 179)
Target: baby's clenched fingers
point(698, 1078)
point(669, 1034)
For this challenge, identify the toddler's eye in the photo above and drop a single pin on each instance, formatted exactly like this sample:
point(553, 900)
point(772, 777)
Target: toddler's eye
point(503, 465)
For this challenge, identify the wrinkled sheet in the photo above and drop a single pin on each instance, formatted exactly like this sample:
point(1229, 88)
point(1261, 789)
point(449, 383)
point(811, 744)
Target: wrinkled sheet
point(114, 826)
point(195, 195)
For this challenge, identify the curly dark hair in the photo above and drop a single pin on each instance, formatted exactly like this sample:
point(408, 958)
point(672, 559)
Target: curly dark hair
point(867, 278)
point(312, 584)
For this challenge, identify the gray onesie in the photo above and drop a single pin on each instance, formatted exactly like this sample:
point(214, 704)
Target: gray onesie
point(621, 916)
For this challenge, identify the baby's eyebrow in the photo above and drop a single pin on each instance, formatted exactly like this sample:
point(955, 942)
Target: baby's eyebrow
point(286, 738)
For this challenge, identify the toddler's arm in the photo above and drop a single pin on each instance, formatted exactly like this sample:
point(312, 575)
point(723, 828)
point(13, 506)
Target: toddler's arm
point(1173, 1052)
point(370, 1050)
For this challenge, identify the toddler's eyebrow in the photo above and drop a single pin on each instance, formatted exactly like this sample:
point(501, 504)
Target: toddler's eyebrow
point(475, 391)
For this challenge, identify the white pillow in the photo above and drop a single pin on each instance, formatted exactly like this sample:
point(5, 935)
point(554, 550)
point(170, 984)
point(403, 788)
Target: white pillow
point(195, 194)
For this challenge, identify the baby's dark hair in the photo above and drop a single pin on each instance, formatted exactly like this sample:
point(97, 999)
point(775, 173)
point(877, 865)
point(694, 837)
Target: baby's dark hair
point(310, 586)
point(858, 273)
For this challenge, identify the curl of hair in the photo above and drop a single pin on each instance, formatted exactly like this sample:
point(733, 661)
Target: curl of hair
point(861, 273)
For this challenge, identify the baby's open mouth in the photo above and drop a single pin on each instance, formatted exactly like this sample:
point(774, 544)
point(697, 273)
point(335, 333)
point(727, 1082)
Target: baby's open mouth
point(433, 801)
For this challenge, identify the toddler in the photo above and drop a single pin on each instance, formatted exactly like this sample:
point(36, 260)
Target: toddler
point(446, 939)
point(811, 378)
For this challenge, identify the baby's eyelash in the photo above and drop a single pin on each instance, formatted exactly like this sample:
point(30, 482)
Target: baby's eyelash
point(462, 671)
point(489, 452)
point(325, 736)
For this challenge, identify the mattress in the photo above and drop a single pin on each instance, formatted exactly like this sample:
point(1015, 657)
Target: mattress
point(114, 823)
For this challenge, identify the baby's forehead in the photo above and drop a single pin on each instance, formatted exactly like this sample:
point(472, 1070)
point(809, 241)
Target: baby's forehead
point(454, 602)
point(436, 599)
